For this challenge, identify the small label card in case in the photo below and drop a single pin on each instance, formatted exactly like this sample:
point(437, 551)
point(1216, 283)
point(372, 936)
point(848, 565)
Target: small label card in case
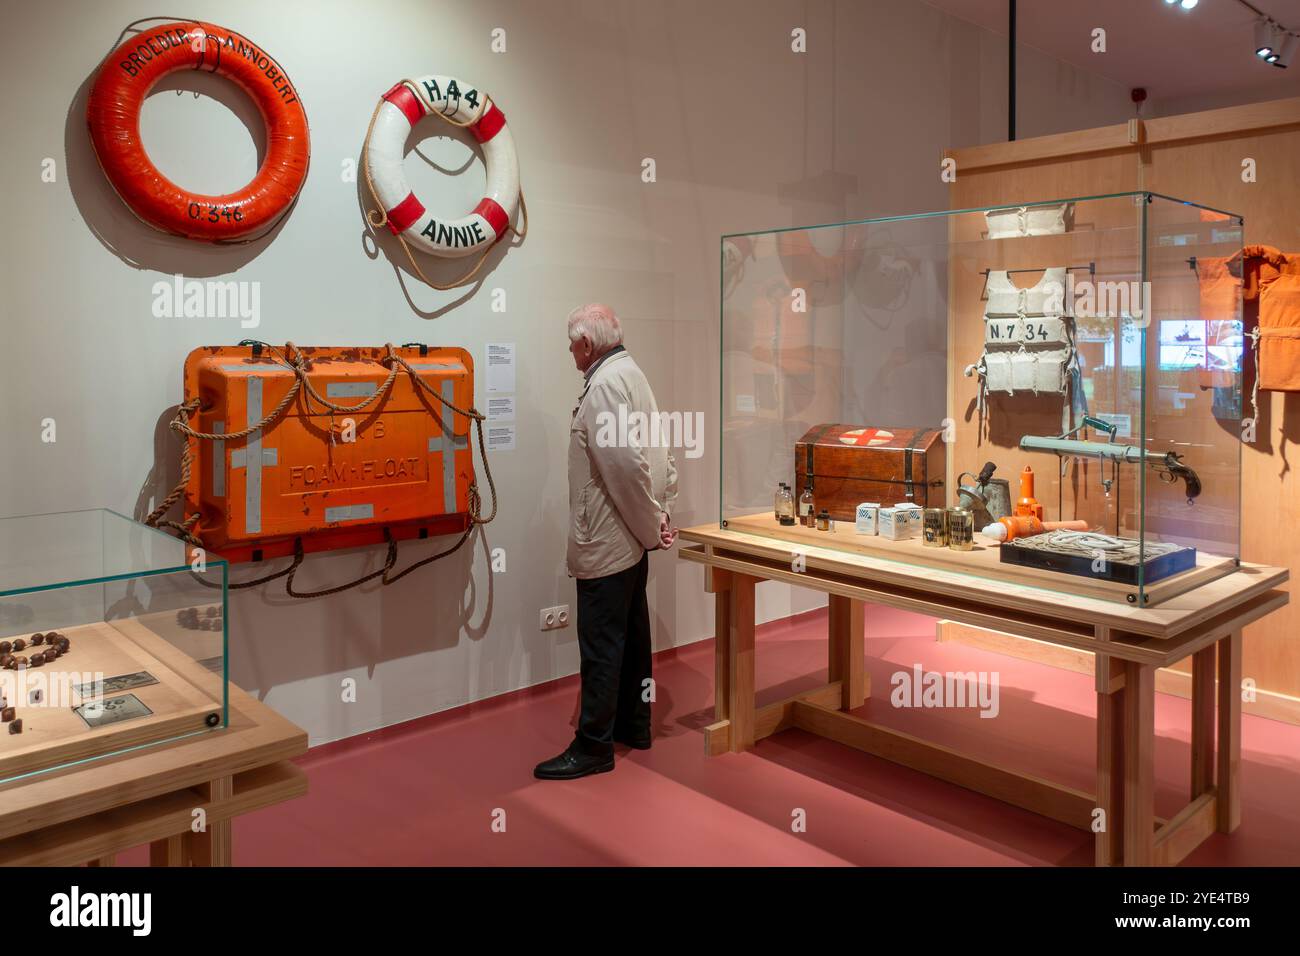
point(114, 685)
point(112, 710)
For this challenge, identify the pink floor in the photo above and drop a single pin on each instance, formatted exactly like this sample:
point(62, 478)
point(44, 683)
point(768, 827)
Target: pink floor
point(427, 792)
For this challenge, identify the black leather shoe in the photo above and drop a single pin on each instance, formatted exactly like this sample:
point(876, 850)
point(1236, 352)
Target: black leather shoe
point(573, 764)
point(636, 743)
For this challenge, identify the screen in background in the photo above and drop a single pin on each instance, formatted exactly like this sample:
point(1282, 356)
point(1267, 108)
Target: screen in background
point(1198, 343)
point(1224, 345)
point(1182, 332)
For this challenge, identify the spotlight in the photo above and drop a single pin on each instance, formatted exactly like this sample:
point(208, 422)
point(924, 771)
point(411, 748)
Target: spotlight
point(1188, 4)
point(1266, 39)
point(1282, 58)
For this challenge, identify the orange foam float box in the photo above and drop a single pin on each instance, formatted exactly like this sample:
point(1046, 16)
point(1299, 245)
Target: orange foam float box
point(400, 466)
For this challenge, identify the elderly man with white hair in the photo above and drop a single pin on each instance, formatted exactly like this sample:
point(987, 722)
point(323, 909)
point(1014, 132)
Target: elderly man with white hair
point(622, 485)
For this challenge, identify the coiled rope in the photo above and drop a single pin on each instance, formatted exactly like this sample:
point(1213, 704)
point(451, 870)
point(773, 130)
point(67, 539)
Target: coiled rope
point(1093, 544)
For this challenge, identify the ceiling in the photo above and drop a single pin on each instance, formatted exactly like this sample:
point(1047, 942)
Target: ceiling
point(1207, 52)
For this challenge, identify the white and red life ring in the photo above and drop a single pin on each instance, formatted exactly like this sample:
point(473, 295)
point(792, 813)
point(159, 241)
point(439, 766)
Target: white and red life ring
point(405, 105)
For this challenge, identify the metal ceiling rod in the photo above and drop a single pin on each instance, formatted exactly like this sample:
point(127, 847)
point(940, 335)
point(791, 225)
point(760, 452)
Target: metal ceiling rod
point(1011, 72)
point(1260, 13)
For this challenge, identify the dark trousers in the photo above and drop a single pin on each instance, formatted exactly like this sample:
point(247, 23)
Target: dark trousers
point(614, 641)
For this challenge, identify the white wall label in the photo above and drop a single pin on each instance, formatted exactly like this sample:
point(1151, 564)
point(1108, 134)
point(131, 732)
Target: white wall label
point(501, 408)
point(1123, 423)
point(501, 437)
point(501, 366)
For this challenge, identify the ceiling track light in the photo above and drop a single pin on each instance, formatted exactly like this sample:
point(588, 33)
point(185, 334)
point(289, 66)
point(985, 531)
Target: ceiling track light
point(1185, 4)
point(1274, 43)
point(1286, 52)
point(1268, 38)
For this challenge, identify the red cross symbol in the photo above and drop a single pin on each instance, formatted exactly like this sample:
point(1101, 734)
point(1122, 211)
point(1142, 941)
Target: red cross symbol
point(867, 436)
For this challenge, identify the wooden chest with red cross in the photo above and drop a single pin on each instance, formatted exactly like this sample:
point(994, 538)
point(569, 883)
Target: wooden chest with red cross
point(851, 464)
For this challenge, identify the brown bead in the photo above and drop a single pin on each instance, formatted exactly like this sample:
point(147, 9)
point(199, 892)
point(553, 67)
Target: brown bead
point(52, 652)
point(7, 661)
point(6, 647)
point(16, 727)
point(64, 644)
point(38, 639)
point(38, 660)
point(20, 662)
point(7, 714)
point(19, 644)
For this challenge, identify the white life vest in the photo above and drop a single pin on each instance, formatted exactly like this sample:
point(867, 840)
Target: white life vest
point(1028, 338)
point(1029, 220)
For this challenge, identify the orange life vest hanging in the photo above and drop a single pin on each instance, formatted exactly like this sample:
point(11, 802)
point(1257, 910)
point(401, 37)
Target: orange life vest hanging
point(1272, 286)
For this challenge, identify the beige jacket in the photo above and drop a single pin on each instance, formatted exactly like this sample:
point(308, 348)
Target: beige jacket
point(620, 478)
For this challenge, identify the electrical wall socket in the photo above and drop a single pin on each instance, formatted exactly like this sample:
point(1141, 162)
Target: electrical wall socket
point(551, 618)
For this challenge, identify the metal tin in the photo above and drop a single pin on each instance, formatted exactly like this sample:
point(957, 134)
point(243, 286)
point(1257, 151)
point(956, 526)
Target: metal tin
point(961, 529)
point(934, 529)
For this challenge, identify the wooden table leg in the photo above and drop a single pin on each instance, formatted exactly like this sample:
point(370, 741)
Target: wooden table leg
point(1202, 721)
point(212, 847)
point(1139, 733)
point(1229, 795)
point(740, 661)
point(847, 663)
point(722, 655)
point(1109, 841)
point(168, 852)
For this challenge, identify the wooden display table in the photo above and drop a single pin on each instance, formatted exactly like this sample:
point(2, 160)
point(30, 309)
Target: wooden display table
point(89, 813)
point(1130, 644)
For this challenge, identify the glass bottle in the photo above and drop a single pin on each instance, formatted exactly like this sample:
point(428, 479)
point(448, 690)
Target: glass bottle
point(807, 515)
point(785, 506)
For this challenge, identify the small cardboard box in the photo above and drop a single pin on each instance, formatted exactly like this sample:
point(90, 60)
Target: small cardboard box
point(893, 524)
point(865, 519)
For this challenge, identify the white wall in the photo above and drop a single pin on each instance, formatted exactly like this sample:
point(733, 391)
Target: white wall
point(746, 135)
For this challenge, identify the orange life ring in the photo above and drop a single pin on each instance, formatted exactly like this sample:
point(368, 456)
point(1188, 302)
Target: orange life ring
point(823, 278)
point(113, 114)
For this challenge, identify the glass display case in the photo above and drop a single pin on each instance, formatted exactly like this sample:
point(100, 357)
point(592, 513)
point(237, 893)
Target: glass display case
point(1046, 395)
point(112, 636)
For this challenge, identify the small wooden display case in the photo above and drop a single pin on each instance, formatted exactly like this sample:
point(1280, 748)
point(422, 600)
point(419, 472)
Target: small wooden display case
point(144, 621)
